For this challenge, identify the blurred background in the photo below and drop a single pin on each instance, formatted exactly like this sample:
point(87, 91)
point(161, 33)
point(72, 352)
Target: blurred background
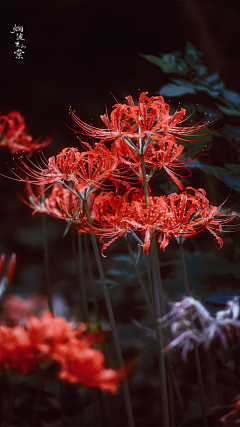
point(85, 54)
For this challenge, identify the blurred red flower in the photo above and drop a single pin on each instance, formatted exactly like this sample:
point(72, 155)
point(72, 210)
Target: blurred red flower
point(13, 136)
point(46, 339)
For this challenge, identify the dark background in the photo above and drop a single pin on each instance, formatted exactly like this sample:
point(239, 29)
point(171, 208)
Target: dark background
point(78, 53)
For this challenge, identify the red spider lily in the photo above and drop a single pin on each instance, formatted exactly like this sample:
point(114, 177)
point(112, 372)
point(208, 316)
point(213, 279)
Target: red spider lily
point(61, 203)
point(165, 154)
point(110, 214)
point(149, 119)
point(46, 339)
point(235, 408)
point(13, 136)
point(146, 128)
point(183, 215)
point(86, 170)
point(86, 367)
point(154, 218)
point(190, 214)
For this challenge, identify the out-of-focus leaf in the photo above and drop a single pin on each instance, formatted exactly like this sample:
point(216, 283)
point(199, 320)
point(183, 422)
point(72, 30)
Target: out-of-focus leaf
point(191, 54)
point(231, 96)
point(172, 89)
point(210, 114)
point(179, 64)
point(196, 142)
point(228, 111)
point(165, 66)
point(222, 297)
point(223, 174)
point(230, 132)
point(200, 69)
point(182, 87)
point(211, 78)
point(231, 182)
point(235, 169)
point(219, 86)
point(169, 63)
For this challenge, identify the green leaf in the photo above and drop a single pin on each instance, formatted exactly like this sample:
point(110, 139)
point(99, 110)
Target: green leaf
point(182, 87)
point(228, 111)
point(230, 132)
point(196, 142)
point(231, 96)
point(200, 69)
point(211, 78)
point(222, 297)
point(165, 66)
point(171, 89)
point(234, 169)
point(169, 63)
point(210, 114)
point(179, 64)
point(191, 54)
point(220, 173)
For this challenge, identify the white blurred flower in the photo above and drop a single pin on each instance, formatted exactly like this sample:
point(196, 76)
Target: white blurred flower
point(191, 321)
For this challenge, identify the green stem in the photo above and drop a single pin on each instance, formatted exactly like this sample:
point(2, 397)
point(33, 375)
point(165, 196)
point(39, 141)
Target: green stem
point(111, 318)
point(84, 312)
point(147, 259)
point(185, 277)
point(196, 352)
point(158, 311)
point(168, 361)
point(145, 187)
point(160, 340)
point(80, 262)
point(49, 292)
point(140, 279)
point(91, 281)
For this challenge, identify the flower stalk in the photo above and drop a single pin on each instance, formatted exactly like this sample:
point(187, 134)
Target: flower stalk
point(195, 347)
point(160, 339)
point(49, 290)
point(111, 318)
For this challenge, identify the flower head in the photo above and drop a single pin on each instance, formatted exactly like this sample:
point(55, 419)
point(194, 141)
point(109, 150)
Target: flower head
point(189, 214)
point(46, 339)
point(87, 170)
point(149, 119)
point(13, 136)
point(191, 321)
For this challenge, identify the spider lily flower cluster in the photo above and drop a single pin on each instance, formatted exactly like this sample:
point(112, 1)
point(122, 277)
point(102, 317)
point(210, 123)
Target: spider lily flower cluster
point(47, 339)
point(191, 321)
point(113, 215)
point(13, 135)
point(143, 143)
